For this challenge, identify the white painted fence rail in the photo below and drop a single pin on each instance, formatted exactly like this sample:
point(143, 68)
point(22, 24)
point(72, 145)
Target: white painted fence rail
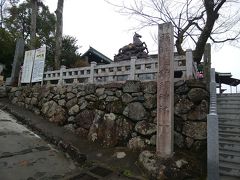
point(135, 69)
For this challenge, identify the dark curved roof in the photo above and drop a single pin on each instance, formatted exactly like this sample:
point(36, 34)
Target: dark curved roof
point(226, 78)
point(94, 55)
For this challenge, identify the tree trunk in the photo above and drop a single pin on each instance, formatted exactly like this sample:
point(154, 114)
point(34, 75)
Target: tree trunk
point(202, 40)
point(212, 16)
point(33, 24)
point(2, 2)
point(1, 16)
point(178, 44)
point(59, 27)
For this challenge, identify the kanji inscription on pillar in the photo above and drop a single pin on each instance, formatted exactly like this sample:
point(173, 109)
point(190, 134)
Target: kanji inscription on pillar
point(165, 91)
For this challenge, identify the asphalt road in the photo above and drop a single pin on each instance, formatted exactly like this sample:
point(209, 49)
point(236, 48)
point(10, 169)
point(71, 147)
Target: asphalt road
point(25, 156)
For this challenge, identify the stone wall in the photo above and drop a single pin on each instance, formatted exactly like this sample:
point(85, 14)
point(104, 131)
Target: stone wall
point(119, 114)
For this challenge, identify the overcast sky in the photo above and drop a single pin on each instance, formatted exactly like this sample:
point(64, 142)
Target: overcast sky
point(96, 23)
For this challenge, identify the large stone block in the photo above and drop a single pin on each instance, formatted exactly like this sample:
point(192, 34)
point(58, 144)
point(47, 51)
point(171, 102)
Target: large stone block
point(150, 101)
point(74, 110)
point(127, 98)
point(90, 88)
point(178, 140)
point(49, 108)
point(145, 128)
point(135, 111)
point(71, 103)
point(115, 107)
point(132, 86)
point(199, 112)
point(100, 91)
point(70, 95)
point(182, 89)
point(198, 94)
point(136, 143)
point(149, 87)
point(54, 112)
point(183, 107)
point(195, 130)
point(85, 119)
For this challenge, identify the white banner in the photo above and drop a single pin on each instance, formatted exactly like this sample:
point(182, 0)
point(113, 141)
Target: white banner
point(27, 66)
point(38, 66)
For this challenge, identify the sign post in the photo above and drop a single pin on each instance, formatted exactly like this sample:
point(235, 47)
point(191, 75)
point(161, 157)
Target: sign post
point(38, 65)
point(33, 67)
point(27, 66)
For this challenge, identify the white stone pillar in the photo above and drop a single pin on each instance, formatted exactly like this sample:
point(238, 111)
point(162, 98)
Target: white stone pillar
point(165, 91)
point(91, 79)
point(132, 68)
point(189, 64)
point(61, 81)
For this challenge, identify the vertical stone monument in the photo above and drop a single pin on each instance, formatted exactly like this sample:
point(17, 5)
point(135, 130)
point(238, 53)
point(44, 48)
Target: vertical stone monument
point(165, 91)
point(16, 66)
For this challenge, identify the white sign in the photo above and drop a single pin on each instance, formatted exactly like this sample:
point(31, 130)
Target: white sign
point(38, 66)
point(27, 66)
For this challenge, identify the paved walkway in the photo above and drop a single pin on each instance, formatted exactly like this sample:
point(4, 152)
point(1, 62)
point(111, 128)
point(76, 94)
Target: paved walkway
point(24, 155)
point(97, 162)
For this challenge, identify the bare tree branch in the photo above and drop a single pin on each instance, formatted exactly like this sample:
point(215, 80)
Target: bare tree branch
point(194, 21)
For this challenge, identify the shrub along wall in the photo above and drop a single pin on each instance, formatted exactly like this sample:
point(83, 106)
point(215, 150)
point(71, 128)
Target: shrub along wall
point(119, 113)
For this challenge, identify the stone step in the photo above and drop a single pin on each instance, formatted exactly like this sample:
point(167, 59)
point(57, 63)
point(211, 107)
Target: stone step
point(228, 116)
point(228, 94)
point(229, 152)
point(229, 129)
point(229, 137)
point(228, 111)
point(229, 158)
point(229, 99)
point(223, 103)
point(229, 165)
point(228, 122)
point(233, 97)
point(229, 171)
point(228, 105)
point(229, 146)
point(233, 102)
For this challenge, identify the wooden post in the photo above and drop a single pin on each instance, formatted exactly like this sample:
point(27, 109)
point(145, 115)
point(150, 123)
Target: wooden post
point(165, 91)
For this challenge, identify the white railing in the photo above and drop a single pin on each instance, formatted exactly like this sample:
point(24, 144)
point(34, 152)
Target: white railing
point(135, 69)
point(212, 133)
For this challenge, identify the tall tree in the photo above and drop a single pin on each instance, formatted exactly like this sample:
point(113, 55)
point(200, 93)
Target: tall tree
point(34, 11)
point(18, 24)
point(195, 22)
point(69, 52)
point(7, 44)
point(2, 2)
point(59, 28)
point(4, 5)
